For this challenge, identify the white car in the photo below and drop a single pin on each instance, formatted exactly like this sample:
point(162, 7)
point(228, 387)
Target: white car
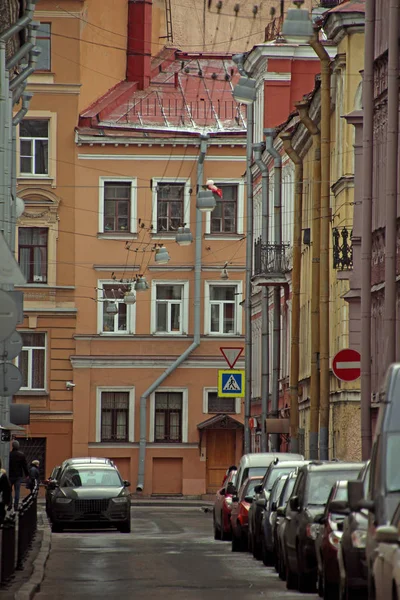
point(386, 566)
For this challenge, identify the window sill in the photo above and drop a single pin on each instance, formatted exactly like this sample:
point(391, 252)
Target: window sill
point(34, 177)
point(117, 235)
point(32, 393)
point(165, 334)
point(223, 236)
point(166, 235)
point(115, 333)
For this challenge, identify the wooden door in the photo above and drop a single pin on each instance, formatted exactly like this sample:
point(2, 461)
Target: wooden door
point(221, 446)
point(167, 476)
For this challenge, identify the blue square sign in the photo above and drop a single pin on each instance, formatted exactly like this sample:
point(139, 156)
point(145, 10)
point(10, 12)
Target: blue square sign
point(231, 383)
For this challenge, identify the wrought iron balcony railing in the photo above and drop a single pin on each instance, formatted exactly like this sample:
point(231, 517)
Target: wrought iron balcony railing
point(271, 262)
point(342, 248)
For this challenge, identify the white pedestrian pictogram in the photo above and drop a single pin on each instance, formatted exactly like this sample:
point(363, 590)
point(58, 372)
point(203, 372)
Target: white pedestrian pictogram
point(231, 385)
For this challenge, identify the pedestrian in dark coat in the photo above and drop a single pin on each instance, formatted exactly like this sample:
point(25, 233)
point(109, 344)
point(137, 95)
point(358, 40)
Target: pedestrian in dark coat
point(5, 493)
point(34, 475)
point(18, 471)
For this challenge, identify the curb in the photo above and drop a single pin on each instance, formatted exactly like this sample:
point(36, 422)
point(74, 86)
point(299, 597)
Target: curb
point(28, 590)
point(170, 504)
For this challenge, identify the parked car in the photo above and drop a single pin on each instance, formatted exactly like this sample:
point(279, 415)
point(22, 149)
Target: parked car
point(279, 528)
point(310, 494)
point(90, 493)
point(222, 509)
point(383, 493)
point(386, 566)
point(267, 521)
point(49, 490)
point(255, 464)
point(327, 543)
point(239, 515)
point(277, 468)
point(351, 555)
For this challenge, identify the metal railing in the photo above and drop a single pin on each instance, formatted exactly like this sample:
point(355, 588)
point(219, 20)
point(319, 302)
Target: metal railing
point(271, 259)
point(342, 248)
point(16, 536)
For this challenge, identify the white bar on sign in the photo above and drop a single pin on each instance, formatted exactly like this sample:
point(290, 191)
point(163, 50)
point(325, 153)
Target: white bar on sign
point(348, 365)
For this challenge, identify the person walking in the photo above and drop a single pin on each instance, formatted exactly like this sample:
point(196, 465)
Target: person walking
point(34, 475)
point(5, 493)
point(18, 470)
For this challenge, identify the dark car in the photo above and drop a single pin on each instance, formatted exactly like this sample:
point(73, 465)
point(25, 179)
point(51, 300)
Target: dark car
point(267, 544)
point(327, 543)
point(280, 522)
point(240, 511)
point(351, 556)
point(90, 494)
point(222, 508)
point(275, 470)
point(310, 494)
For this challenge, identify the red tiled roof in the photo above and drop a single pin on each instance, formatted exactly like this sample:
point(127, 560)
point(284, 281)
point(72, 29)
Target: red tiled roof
point(349, 6)
point(188, 92)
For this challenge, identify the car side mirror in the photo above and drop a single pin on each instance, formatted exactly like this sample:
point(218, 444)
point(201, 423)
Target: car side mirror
point(355, 493)
point(52, 485)
point(294, 503)
point(387, 535)
point(230, 489)
point(339, 507)
point(258, 489)
point(320, 519)
point(248, 499)
point(127, 483)
point(222, 492)
point(273, 507)
point(280, 511)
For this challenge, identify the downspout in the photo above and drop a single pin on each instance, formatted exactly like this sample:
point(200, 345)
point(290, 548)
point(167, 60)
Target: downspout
point(392, 154)
point(276, 347)
point(324, 248)
point(366, 237)
point(196, 335)
point(296, 283)
point(258, 150)
point(302, 107)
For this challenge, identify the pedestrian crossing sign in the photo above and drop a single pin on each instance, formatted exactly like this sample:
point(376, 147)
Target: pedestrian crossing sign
point(231, 384)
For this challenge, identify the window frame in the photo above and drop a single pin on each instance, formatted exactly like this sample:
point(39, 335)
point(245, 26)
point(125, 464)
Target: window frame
point(213, 390)
point(184, 305)
point(32, 248)
point(42, 37)
point(51, 117)
point(130, 312)
point(185, 395)
point(33, 140)
point(131, 413)
point(133, 205)
point(207, 310)
point(30, 349)
point(240, 183)
point(186, 202)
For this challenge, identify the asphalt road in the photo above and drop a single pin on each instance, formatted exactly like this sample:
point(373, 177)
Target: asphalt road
point(169, 554)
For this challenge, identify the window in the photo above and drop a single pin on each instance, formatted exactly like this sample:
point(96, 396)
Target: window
point(169, 307)
point(43, 40)
point(34, 147)
point(121, 321)
point(168, 417)
point(32, 361)
point(222, 309)
point(170, 206)
point(220, 405)
point(32, 253)
point(114, 416)
point(117, 206)
point(224, 215)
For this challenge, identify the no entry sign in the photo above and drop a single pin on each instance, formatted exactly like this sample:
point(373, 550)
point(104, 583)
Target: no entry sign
point(346, 365)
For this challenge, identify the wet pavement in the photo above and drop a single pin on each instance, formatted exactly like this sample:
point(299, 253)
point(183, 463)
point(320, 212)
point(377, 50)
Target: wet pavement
point(170, 553)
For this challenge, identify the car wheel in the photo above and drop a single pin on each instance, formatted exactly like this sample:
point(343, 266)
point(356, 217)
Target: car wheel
point(257, 550)
point(265, 555)
point(217, 531)
point(320, 585)
point(236, 542)
point(250, 542)
point(307, 581)
point(125, 527)
point(291, 578)
point(55, 528)
point(330, 591)
point(371, 588)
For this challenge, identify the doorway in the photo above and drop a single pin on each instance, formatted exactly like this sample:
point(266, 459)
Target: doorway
point(221, 453)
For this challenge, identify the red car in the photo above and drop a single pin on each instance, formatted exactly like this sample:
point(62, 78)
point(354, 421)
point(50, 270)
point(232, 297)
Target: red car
point(240, 513)
point(222, 509)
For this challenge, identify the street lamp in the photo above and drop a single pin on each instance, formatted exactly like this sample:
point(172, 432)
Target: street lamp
point(206, 201)
point(130, 297)
point(141, 284)
point(184, 236)
point(297, 27)
point(162, 256)
point(112, 308)
point(245, 90)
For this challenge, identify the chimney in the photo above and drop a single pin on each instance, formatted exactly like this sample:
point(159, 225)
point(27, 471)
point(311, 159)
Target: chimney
point(138, 65)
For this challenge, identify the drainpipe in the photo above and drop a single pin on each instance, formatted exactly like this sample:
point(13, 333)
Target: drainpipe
point(391, 183)
point(296, 283)
point(366, 237)
point(196, 336)
point(302, 108)
point(276, 347)
point(258, 150)
point(324, 248)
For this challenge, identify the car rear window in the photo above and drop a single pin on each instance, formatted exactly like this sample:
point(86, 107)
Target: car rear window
point(320, 484)
point(87, 477)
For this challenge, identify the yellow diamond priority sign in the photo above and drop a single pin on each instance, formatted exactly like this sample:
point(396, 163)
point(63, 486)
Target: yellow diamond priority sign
point(231, 383)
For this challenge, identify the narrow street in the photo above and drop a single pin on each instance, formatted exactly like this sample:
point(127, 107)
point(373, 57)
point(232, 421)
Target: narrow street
point(169, 554)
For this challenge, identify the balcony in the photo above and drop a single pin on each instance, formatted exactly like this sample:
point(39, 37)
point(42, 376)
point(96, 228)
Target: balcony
point(342, 249)
point(271, 263)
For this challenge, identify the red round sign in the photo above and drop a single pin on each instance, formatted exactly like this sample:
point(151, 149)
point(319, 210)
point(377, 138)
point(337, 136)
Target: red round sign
point(346, 365)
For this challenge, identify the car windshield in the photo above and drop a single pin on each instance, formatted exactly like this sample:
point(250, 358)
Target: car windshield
point(275, 473)
point(320, 484)
point(392, 466)
point(89, 477)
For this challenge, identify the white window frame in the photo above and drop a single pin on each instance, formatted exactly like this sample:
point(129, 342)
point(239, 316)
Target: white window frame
point(51, 117)
point(207, 390)
point(131, 412)
point(185, 423)
point(30, 349)
point(186, 202)
point(133, 207)
point(238, 308)
point(184, 304)
point(239, 210)
point(101, 304)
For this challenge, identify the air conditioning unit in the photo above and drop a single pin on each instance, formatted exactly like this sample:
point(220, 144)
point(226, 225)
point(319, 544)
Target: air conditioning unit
point(38, 278)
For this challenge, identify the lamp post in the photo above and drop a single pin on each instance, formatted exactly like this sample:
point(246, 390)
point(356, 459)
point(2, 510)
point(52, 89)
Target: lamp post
point(245, 93)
